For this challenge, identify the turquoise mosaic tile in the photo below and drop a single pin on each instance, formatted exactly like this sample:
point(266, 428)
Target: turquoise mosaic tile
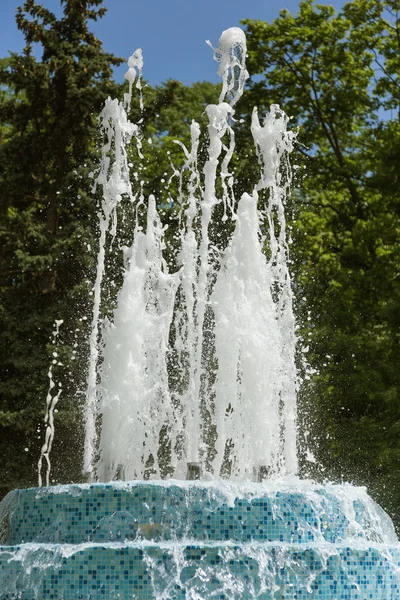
point(148, 510)
point(175, 570)
point(197, 541)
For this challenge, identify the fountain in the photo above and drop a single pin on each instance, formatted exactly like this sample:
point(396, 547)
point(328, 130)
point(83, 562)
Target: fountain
point(190, 447)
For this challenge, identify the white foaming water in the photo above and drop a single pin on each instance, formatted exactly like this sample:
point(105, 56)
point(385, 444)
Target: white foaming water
point(251, 378)
point(134, 73)
point(198, 365)
point(114, 179)
point(135, 396)
point(231, 54)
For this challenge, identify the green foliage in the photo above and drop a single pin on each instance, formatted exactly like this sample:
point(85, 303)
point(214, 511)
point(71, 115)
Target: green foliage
point(337, 74)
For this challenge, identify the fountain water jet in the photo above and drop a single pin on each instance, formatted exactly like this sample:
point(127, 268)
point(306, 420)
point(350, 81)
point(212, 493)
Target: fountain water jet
point(280, 538)
point(243, 298)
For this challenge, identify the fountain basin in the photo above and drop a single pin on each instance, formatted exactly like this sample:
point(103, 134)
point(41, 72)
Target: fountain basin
point(173, 539)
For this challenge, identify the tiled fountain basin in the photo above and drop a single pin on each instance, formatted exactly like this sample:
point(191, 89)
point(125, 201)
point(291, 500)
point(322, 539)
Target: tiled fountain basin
point(197, 540)
point(268, 571)
point(298, 512)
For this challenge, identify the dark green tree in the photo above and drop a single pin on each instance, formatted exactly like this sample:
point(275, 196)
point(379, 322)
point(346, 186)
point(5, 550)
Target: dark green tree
point(47, 110)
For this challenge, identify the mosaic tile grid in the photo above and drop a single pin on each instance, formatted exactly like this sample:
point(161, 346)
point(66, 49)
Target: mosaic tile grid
point(179, 571)
point(92, 542)
point(103, 512)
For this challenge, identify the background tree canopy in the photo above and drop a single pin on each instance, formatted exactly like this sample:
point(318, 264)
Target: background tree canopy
point(337, 75)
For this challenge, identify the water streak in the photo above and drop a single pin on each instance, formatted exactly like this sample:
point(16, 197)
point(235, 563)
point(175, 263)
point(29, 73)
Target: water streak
point(51, 403)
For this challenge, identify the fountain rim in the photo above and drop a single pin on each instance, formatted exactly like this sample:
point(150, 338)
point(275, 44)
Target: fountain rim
point(291, 483)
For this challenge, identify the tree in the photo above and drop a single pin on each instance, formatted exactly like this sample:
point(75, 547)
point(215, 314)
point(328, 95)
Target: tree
point(337, 75)
point(47, 109)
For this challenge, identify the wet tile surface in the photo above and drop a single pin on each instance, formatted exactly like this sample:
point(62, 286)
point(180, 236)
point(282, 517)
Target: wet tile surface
point(145, 540)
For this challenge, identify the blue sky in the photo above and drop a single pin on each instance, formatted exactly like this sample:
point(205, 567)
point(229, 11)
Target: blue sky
point(172, 33)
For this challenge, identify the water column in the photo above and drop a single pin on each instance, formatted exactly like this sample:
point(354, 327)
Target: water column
point(255, 392)
point(231, 54)
point(114, 180)
point(231, 304)
point(274, 143)
point(135, 400)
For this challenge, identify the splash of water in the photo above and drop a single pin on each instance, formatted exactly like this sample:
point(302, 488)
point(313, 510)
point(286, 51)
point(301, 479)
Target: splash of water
point(198, 365)
point(231, 54)
point(53, 396)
